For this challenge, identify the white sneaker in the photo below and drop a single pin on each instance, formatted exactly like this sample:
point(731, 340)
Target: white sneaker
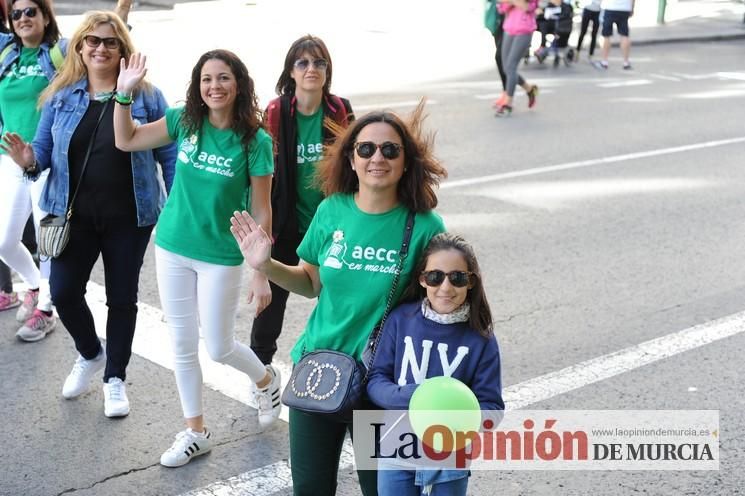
point(26, 310)
point(81, 374)
point(267, 399)
point(187, 445)
point(115, 402)
point(37, 326)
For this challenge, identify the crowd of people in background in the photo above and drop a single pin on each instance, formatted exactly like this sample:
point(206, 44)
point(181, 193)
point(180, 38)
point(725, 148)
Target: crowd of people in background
point(514, 22)
point(291, 190)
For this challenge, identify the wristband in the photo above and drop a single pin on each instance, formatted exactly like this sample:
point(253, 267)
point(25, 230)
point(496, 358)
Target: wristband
point(123, 98)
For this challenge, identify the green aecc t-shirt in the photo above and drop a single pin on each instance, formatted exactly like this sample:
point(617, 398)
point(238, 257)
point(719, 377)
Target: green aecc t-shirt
point(356, 254)
point(212, 181)
point(309, 153)
point(20, 88)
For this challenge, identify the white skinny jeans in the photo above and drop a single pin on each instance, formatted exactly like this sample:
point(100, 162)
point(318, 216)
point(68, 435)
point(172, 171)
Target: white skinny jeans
point(192, 291)
point(18, 198)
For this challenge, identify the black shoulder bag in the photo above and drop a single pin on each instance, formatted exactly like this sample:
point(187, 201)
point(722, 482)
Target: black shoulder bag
point(54, 230)
point(332, 383)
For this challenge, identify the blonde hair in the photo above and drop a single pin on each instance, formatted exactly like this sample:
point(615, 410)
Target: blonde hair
point(73, 68)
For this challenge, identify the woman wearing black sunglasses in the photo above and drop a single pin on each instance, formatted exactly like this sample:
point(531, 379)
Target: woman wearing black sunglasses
point(296, 122)
point(30, 56)
point(117, 197)
point(379, 169)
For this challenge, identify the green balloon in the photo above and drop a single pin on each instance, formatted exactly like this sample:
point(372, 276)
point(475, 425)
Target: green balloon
point(444, 401)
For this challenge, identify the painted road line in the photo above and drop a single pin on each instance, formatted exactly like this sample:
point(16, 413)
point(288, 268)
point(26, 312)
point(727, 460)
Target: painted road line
point(270, 479)
point(604, 367)
point(626, 84)
point(590, 163)
point(531, 391)
point(391, 105)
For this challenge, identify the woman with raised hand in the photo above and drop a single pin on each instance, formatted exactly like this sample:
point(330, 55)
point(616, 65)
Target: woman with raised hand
point(30, 56)
point(378, 170)
point(224, 158)
point(296, 121)
point(115, 197)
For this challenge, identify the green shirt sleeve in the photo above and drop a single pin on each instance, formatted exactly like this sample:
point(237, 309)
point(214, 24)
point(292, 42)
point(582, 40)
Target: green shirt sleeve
point(173, 119)
point(261, 155)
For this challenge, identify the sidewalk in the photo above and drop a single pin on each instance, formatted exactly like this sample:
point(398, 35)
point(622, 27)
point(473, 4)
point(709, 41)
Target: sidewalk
point(688, 20)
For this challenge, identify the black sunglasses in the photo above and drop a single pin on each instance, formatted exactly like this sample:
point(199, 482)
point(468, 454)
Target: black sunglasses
point(94, 41)
point(458, 278)
point(16, 14)
point(366, 149)
point(303, 64)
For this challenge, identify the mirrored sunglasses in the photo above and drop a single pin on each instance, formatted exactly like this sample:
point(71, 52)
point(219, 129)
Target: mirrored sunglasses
point(458, 278)
point(366, 149)
point(16, 14)
point(94, 41)
point(318, 64)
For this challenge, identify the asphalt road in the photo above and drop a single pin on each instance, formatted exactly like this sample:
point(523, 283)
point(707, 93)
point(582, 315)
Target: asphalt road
point(627, 240)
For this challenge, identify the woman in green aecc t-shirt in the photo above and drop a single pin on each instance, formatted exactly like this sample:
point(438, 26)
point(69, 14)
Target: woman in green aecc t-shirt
point(377, 171)
point(222, 153)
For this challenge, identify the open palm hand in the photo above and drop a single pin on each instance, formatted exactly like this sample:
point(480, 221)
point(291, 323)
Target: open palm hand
point(254, 242)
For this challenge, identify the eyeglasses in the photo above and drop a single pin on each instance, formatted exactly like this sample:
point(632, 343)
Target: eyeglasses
point(29, 12)
point(303, 64)
point(366, 149)
point(94, 41)
point(458, 278)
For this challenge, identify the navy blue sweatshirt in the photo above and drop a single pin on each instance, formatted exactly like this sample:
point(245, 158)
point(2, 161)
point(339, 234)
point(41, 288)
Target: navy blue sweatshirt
point(453, 350)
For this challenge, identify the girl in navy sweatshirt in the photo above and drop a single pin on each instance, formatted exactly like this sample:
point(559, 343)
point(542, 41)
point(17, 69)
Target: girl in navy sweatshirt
point(445, 331)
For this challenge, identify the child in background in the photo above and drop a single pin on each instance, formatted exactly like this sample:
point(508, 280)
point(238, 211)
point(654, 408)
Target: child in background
point(445, 329)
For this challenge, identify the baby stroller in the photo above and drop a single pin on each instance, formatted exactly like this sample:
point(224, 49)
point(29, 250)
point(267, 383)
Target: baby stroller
point(557, 21)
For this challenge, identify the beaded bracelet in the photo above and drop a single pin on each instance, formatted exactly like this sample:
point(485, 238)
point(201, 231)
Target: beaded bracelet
point(123, 98)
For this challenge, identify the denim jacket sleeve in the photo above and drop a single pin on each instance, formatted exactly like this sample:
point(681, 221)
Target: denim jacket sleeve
point(43, 143)
point(165, 155)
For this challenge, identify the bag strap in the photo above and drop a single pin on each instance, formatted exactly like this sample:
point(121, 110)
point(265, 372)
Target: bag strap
point(87, 156)
point(58, 58)
point(392, 293)
point(6, 51)
point(55, 53)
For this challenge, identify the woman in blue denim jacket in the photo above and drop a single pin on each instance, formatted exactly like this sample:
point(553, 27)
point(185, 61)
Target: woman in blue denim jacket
point(30, 54)
point(117, 202)
point(26, 67)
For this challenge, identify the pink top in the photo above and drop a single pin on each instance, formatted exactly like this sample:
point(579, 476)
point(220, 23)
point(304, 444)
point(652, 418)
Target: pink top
point(518, 21)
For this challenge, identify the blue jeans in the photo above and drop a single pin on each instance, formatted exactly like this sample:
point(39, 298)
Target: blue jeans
point(122, 245)
point(413, 482)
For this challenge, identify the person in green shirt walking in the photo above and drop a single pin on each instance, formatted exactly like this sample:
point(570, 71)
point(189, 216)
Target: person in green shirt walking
point(224, 158)
point(30, 56)
point(296, 121)
point(377, 171)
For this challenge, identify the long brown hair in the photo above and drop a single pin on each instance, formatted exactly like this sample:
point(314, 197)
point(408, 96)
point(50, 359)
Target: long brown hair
point(422, 170)
point(481, 318)
point(247, 116)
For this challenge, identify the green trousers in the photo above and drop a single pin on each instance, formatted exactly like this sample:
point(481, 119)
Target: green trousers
point(315, 448)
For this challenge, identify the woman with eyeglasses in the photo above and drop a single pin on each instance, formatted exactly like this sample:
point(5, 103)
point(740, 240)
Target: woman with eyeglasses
point(296, 122)
point(30, 56)
point(117, 201)
point(379, 169)
point(224, 163)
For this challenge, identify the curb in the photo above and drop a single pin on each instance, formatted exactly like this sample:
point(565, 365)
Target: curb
point(686, 39)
